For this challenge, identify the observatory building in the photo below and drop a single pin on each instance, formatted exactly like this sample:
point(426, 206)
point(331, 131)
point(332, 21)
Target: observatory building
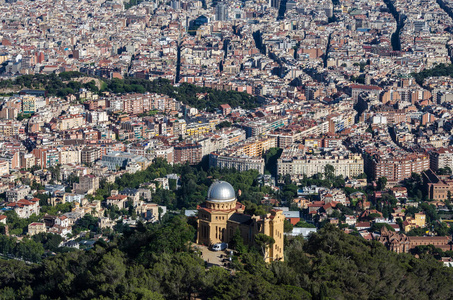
point(221, 215)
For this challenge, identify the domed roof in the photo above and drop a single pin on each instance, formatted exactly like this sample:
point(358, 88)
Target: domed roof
point(221, 191)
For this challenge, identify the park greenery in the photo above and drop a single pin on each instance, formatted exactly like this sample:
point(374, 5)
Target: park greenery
point(62, 85)
point(436, 71)
point(194, 185)
point(223, 124)
point(157, 261)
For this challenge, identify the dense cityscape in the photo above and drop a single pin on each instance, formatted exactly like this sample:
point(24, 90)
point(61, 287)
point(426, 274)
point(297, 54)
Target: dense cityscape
point(287, 149)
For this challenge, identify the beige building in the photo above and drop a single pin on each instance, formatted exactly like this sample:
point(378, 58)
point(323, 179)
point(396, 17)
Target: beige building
point(221, 216)
point(419, 220)
point(27, 160)
point(36, 228)
point(238, 162)
point(4, 167)
point(296, 163)
point(88, 184)
point(70, 121)
point(148, 211)
point(441, 158)
point(70, 156)
point(118, 200)
point(254, 147)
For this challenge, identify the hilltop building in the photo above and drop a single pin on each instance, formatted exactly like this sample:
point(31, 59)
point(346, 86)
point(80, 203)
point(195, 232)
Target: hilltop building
point(221, 215)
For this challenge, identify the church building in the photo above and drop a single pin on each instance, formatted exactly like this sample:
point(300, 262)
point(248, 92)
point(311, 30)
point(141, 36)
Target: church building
point(221, 215)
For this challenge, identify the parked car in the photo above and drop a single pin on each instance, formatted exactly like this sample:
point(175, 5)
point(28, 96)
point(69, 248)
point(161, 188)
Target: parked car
point(219, 246)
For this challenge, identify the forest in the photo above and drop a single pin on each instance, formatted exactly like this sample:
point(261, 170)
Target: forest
point(63, 84)
point(157, 261)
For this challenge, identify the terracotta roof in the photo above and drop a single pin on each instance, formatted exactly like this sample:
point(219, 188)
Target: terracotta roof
point(117, 197)
point(363, 224)
point(365, 87)
point(36, 224)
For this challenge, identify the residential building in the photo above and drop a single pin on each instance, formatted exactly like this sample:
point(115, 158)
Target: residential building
point(25, 208)
point(4, 167)
point(238, 162)
point(36, 228)
point(441, 158)
point(186, 152)
point(88, 184)
point(297, 163)
point(90, 155)
point(17, 193)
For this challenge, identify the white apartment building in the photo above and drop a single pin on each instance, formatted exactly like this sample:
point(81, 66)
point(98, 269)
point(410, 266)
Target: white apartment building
point(297, 164)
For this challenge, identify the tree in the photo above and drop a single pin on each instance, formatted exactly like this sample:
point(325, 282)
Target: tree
point(329, 172)
point(223, 124)
point(50, 241)
point(382, 182)
point(237, 242)
point(444, 171)
point(270, 159)
point(264, 242)
point(376, 227)
point(288, 227)
point(88, 222)
point(303, 224)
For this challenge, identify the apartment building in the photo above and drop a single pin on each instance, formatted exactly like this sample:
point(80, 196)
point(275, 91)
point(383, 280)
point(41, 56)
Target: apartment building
point(441, 158)
point(186, 152)
point(297, 163)
point(238, 162)
point(90, 154)
point(88, 184)
point(396, 166)
point(255, 147)
point(70, 121)
point(17, 193)
point(4, 167)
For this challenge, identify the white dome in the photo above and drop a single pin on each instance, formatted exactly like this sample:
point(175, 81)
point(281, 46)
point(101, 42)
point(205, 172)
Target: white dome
point(221, 191)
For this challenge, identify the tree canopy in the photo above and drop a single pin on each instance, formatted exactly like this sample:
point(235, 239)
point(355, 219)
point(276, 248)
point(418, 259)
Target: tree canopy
point(63, 84)
point(156, 262)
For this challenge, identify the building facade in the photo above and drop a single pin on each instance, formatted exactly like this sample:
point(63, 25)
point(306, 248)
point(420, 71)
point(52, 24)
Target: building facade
point(187, 152)
point(401, 243)
point(221, 216)
point(240, 163)
point(441, 158)
point(435, 187)
point(297, 164)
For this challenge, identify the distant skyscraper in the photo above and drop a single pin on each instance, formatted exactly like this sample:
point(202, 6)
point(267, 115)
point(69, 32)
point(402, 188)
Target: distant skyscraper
point(221, 12)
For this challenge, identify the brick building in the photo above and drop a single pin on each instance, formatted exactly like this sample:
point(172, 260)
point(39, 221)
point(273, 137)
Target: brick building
point(435, 187)
point(401, 243)
point(186, 152)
